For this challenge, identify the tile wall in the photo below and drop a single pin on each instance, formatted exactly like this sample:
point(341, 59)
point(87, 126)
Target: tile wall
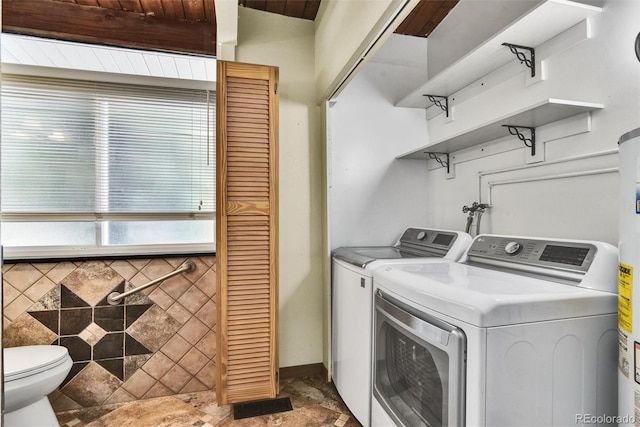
point(159, 342)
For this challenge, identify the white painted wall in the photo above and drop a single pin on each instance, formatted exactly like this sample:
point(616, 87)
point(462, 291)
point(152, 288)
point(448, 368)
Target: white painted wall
point(572, 193)
point(288, 43)
point(372, 195)
point(345, 31)
point(603, 69)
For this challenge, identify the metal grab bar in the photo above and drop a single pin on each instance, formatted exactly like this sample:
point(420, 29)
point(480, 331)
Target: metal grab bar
point(114, 297)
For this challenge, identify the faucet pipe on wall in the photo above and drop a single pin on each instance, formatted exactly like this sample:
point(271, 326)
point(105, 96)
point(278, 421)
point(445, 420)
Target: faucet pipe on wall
point(475, 208)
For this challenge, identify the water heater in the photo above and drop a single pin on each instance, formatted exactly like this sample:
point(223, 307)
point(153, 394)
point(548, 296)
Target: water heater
point(629, 280)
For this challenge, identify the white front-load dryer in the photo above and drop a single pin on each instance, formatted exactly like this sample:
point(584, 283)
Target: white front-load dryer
point(521, 332)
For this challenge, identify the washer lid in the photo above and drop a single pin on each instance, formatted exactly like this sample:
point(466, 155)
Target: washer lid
point(362, 256)
point(487, 298)
point(414, 243)
point(20, 362)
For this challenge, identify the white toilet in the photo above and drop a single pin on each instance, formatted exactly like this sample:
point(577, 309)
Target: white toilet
point(30, 374)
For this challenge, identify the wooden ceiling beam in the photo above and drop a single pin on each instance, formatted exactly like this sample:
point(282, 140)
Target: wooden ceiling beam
point(437, 17)
point(311, 9)
point(74, 22)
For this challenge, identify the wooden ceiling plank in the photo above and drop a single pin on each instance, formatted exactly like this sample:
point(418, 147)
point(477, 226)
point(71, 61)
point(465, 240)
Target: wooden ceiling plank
point(416, 20)
point(173, 9)
point(255, 4)
point(441, 13)
point(194, 10)
point(425, 17)
point(88, 2)
point(152, 7)
point(109, 4)
point(131, 6)
point(311, 9)
point(276, 6)
point(294, 8)
point(210, 10)
point(73, 22)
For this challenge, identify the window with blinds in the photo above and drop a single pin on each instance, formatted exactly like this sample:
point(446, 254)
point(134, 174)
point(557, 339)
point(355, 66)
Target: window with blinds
point(94, 168)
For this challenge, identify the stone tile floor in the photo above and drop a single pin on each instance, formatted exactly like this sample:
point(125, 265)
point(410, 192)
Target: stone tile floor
point(315, 404)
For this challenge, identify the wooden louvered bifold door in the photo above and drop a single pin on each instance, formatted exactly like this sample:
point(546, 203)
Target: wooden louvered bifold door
point(246, 232)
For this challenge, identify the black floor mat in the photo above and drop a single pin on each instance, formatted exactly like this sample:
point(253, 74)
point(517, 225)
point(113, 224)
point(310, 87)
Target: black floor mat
point(262, 407)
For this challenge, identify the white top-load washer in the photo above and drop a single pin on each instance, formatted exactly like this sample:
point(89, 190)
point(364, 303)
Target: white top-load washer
point(352, 304)
point(521, 332)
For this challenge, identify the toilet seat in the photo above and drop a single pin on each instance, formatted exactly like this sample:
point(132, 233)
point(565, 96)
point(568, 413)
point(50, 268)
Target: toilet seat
point(20, 362)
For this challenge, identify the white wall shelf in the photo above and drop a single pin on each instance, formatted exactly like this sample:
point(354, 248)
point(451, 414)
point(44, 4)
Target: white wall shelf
point(540, 24)
point(535, 115)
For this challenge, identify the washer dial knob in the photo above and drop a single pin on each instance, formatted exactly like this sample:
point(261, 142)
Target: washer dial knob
point(512, 248)
point(421, 235)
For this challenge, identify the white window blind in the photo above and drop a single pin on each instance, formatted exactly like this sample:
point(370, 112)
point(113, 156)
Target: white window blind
point(138, 161)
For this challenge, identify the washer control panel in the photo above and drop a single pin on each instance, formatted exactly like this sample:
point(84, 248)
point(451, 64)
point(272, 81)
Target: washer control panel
point(574, 256)
point(424, 239)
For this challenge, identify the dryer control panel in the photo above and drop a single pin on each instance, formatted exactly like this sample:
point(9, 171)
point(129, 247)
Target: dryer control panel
point(563, 255)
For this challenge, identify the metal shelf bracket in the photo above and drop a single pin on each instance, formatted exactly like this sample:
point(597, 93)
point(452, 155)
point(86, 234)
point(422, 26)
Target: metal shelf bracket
point(441, 162)
point(438, 101)
point(528, 142)
point(528, 62)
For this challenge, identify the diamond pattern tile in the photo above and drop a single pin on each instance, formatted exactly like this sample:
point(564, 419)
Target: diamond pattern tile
point(22, 276)
point(193, 361)
point(139, 383)
point(196, 274)
point(49, 301)
point(25, 330)
point(79, 349)
point(176, 347)
point(207, 283)
point(154, 328)
point(110, 318)
point(193, 299)
point(68, 299)
point(133, 347)
point(60, 271)
point(10, 293)
point(92, 281)
point(207, 345)
point(124, 269)
point(133, 363)
point(44, 267)
point(176, 378)
point(39, 288)
point(132, 313)
point(113, 366)
point(74, 320)
point(158, 365)
point(207, 314)
point(156, 268)
point(92, 334)
point(158, 390)
point(193, 386)
point(178, 312)
point(193, 330)
point(161, 298)
point(49, 318)
point(157, 342)
point(92, 386)
point(17, 307)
